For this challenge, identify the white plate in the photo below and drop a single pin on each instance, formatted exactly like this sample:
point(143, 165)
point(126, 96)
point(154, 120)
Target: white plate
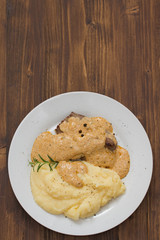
point(130, 134)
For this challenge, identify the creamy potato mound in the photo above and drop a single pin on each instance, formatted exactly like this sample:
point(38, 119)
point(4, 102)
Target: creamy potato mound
point(56, 196)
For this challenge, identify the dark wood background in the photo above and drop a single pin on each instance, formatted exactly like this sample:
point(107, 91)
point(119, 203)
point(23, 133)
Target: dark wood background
point(48, 47)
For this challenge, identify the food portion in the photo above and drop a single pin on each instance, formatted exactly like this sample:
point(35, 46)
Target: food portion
point(56, 196)
point(78, 138)
point(82, 158)
point(82, 137)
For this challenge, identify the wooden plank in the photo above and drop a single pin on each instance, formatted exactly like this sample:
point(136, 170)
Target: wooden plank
point(153, 126)
point(20, 62)
point(3, 139)
point(3, 75)
point(137, 62)
point(22, 92)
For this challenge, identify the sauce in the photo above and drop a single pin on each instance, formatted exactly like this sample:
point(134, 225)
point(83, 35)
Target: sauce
point(122, 163)
point(82, 137)
point(69, 170)
point(76, 140)
point(102, 158)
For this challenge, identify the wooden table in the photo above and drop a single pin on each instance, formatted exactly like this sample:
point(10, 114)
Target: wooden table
point(48, 47)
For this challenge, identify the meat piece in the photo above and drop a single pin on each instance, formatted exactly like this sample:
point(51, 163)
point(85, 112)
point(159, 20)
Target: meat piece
point(110, 144)
point(83, 158)
point(72, 114)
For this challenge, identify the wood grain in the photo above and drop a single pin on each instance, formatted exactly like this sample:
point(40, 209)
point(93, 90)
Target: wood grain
point(3, 138)
point(54, 46)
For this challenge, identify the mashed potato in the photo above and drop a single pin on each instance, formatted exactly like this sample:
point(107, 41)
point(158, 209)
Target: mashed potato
point(58, 197)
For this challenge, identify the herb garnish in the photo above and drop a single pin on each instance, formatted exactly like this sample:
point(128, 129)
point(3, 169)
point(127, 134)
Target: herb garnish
point(51, 163)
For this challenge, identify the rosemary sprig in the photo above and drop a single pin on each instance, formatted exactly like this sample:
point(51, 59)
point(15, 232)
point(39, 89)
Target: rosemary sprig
point(50, 158)
point(40, 164)
point(55, 162)
point(42, 158)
